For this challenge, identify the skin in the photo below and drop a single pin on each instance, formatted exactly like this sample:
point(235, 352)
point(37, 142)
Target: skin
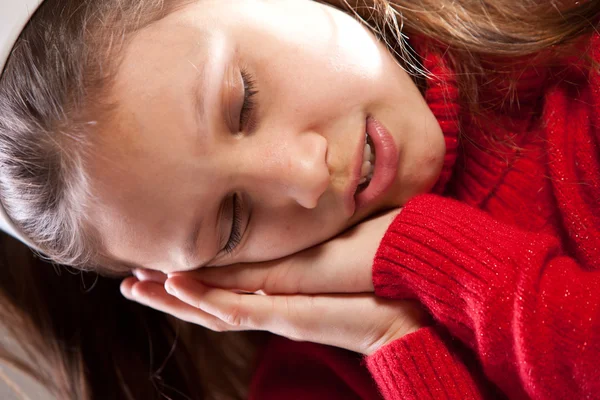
point(323, 294)
point(175, 153)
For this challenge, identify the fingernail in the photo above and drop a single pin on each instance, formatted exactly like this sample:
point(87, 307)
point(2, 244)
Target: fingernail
point(137, 273)
point(170, 289)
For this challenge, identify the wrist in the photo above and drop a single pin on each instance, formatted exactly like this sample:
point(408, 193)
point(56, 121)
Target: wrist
point(409, 321)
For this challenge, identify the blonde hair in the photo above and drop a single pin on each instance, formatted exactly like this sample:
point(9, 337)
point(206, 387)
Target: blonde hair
point(59, 71)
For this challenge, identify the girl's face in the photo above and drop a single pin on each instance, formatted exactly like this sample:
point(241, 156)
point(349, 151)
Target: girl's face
point(240, 135)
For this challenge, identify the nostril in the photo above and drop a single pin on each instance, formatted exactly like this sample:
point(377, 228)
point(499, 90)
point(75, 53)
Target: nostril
point(315, 170)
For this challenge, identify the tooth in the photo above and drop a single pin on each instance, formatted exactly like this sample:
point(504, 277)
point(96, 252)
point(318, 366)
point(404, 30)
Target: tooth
point(371, 169)
point(362, 180)
point(367, 154)
point(366, 167)
point(370, 176)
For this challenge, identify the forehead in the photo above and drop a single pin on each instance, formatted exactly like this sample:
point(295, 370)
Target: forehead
point(139, 168)
point(164, 51)
point(142, 215)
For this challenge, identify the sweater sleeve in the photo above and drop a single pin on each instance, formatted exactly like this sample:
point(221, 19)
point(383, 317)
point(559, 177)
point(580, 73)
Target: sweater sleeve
point(530, 313)
point(424, 365)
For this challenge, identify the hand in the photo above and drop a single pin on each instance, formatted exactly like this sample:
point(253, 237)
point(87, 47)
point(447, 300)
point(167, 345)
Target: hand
point(340, 265)
point(311, 309)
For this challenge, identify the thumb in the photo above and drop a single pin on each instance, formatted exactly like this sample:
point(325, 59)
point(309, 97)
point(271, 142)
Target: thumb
point(328, 268)
point(340, 265)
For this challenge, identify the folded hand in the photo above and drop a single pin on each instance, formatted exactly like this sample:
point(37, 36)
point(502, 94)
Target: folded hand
point(323, 294)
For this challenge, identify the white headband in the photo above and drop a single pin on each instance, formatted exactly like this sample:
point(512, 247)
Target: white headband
point(14, 15)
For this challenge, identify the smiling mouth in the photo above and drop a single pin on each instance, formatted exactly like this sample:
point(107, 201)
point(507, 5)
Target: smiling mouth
point(368, 165)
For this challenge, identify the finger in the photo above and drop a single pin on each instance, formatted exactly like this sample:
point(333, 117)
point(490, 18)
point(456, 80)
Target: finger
point(127, 285)
point(341, 265)
point(319, 270)
point(217, 302)
point(331, 319)
point(149, 275)
point(153, 295)
point(245, 278)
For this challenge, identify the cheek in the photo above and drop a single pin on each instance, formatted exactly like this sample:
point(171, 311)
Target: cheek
point(275, 239)
point(274, 234)
point(334, 63)
point(314, 91)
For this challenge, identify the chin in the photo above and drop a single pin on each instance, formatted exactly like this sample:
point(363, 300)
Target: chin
point(403, 196)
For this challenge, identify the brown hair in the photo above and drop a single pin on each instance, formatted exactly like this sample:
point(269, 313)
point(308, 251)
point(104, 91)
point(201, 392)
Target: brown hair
point(51, 91)
point(482, 40)
point(51, 95)
point(84, 341)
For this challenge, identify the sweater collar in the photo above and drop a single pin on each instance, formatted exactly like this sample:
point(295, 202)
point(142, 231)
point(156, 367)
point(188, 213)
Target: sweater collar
point(442, 97)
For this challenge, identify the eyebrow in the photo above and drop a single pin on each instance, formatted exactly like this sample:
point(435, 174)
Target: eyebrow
point(198, 101)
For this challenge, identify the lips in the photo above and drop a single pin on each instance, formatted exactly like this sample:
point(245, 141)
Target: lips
point(383, 174)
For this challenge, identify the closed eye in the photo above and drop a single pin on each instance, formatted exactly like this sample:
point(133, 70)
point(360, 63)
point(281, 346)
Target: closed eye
point(235, 235)
point(249, 104)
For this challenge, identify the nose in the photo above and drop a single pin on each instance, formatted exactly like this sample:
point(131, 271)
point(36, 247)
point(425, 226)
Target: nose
point(291, 168)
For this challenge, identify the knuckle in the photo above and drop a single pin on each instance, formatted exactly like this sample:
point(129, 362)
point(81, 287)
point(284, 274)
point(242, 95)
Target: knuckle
point(281, 279)
point(235, 315)
point(271, 279)
point(289, 307)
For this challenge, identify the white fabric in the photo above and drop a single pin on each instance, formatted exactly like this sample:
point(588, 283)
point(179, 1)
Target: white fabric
point(14, 15)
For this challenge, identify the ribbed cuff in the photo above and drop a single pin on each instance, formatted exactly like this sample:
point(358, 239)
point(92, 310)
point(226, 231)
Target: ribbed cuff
point(421, 366)
point(455, 259)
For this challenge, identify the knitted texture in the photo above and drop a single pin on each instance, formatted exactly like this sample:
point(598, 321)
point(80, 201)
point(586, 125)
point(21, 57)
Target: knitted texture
point(512, 269)
point(424, 365)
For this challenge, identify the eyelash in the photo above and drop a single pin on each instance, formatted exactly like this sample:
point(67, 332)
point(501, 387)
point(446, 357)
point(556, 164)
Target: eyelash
point(250, 92)
point(235, 237)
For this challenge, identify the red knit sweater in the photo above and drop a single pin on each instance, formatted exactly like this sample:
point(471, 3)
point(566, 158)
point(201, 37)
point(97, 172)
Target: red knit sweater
point(507, 262)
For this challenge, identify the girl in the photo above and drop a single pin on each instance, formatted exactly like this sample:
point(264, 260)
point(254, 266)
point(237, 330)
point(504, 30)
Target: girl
point(227, 132)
